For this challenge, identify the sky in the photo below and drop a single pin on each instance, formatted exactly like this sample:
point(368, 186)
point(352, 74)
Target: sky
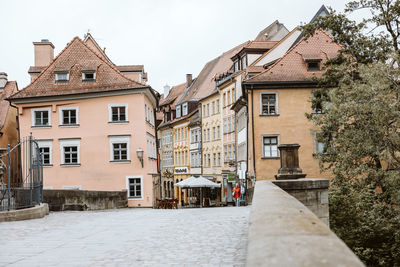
point(169, 37)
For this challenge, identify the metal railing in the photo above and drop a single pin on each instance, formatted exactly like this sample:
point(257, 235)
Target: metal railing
point(21, 176)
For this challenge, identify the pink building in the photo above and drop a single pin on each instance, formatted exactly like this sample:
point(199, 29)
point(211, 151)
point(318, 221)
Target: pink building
point(91, 121)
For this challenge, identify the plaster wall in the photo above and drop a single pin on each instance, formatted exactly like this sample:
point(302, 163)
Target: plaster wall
point(96, 171)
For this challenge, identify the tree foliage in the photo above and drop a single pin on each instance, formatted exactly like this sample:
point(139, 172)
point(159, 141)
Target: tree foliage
point(360, 128)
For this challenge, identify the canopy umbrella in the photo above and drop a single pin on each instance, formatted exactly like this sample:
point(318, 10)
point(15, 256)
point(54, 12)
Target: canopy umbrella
point(197, 182)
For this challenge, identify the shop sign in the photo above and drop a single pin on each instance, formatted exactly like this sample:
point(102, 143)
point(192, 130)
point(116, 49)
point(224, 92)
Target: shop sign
point(231, 177)
point(181, 170)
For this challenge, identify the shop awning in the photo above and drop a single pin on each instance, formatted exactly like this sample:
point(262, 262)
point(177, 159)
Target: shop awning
point(196, 182)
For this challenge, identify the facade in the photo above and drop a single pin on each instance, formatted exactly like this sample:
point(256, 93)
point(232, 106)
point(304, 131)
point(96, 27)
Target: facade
point(95, 126)
point(212, 142)
point(277, 100)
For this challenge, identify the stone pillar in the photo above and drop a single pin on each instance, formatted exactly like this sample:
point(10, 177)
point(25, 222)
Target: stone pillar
point(289, 154)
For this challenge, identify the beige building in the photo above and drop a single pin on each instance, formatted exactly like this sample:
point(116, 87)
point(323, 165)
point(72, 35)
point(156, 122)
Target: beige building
point(212, 141)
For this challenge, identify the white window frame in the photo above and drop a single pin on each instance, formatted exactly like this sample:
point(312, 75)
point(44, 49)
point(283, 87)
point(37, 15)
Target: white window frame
point(184, 109)
point(119, 139)
point(110, 106)
point(70, 142)
point(262, 145)
point(58, 76)
point(217, 106)
point(178, 111)
point(61, 115)
point(49, 144)
point(33, 110)
point(276, 103)
point(141, 187)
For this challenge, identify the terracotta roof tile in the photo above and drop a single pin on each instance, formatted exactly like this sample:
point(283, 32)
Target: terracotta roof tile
point(76, 57)
point(174, 95)
point(292, 67)
point(7, 91)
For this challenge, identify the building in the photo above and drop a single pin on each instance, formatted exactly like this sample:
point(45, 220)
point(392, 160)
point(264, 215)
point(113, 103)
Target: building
point(9, 131)
point(95, 125)
point(278, 99)
point(212, 143)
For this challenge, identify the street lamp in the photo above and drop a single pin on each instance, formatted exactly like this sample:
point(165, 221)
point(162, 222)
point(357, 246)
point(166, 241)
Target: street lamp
point(139, 154)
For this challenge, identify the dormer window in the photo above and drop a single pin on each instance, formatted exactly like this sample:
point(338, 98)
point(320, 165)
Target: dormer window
point(88, 76)
point(184, 109)
point(62, 77)
point(313, 65)
point(244, 62)
point(178, 111)
point(236, 66)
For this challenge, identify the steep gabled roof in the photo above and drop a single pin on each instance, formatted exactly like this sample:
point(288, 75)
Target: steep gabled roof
point(272, 32)
point(7, 91)
point(174, 95)
point(91, 42)
point(75, 58)
point(205, 82)
point(292, 66)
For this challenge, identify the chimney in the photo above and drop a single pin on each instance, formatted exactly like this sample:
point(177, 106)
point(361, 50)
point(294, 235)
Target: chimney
point(188, 80)
point(166, 90)
point(3, 80)
point(44, 52)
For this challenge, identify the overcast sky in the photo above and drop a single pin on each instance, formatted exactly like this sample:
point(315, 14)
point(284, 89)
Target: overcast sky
point(170, 38)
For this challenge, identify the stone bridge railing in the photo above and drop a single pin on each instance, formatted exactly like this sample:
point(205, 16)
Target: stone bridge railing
point(284, 232)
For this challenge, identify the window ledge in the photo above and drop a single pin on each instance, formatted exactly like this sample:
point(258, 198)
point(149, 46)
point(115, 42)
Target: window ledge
point(269, 115)
point(47, 165)
point(135, 198)
point(71, 165)
point(270, 157)
point(62, 81)
point(41, 126)
point(118, 122)
point(89, 80)
point(121, 161)
point(68, 125)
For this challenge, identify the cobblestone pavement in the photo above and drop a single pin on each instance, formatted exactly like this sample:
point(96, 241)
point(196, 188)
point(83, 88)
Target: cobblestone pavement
point(128, 237)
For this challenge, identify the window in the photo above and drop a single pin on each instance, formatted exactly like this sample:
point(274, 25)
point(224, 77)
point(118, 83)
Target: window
point(205, 135)
point(236, 65)
point(119, 148)
point(89, 76)
point(313, 65)
point(219, 159)
point(134, 185)
point(244, 62)
point(230, 152)
point(208, 109)
point(208, 160)
point(218, 132)
point(213, 107)
point(215, 159)
point(225, 153)
point(224, 100)
point(41, 117)
point(225, 125)
point(204, 110)
point(205, 160)
point(62, 77)
point(68, 116)
point(318, 146)
point(118, 113)
point(70, 150)
point(229, 125)
point(178, 111)
point(233, 95)
point(270, 146)
point(214, 136)
point(217, 108)
point(184, 109)
point(228, 102)
point(45, 150)
point(269, 104)
point(208, 134)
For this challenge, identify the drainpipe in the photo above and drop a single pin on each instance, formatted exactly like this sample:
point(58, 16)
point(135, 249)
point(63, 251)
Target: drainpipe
point(252, 129)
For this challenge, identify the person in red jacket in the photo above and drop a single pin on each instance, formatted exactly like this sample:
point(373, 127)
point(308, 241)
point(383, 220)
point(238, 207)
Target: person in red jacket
point(236, 194)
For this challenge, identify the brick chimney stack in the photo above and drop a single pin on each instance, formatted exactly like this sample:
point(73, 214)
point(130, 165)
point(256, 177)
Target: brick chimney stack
point(188, 80)
point(44, 52)
point(3, 80)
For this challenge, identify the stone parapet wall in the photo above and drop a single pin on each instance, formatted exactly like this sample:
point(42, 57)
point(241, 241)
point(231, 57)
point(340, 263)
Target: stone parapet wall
point(284, 232)
point(63, 199)
point(312, 192)
point(36, 212)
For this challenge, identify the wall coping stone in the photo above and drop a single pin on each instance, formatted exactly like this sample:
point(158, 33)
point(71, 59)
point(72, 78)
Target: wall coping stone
point(283, 232)
point(302, 184)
